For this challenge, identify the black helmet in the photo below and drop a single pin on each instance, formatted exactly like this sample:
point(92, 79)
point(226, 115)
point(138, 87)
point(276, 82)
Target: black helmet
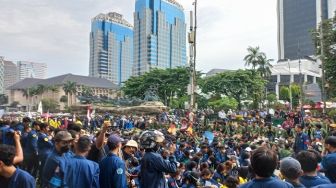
point(149, 139)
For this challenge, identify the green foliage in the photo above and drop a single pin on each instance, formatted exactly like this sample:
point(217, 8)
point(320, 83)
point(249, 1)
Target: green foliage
point(64, 99)
point(329, 41)
point(258, 60)
point(238, 84)
point(50, 105)
point(285, 95)
point(271, 97)
point(170, 83)
point(332, 113)
point(3, 99)
point(14, 104)
point(69, 87)
point(225, 103)
point(87, 91)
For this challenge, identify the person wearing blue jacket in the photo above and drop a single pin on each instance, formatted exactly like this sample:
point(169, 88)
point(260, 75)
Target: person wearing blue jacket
point(44, 146)
point(30, 151)
point(153, 166)
point(112, 167)
point(78, 171)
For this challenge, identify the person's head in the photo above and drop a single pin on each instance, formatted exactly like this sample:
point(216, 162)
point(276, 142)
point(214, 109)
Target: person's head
point(299, 128)
point(206, 174)
point(204, 165)
point(26, 121)
point(263, 162)
point(151, 140)
point(330, 143)
point(44, 128)
point(7, 154)
point(318, 126)
point(83, 145)
point(290, 168)
point(191, 166)
point(131, 147)
point(114, 142)
point(36, 125)
point(220, 168)
point(231, 182)
point(192, 178)
point(63, 141)
point(308, 161)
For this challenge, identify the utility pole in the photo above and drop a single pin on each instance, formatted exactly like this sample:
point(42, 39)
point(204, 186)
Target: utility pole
point(192, 56)
point(322, 62)
point(290, 86)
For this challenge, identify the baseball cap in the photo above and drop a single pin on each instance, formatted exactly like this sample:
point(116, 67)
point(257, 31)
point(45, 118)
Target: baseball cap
point(290, 168)
point(63, 135)
point(132, 143)
point(114, 139)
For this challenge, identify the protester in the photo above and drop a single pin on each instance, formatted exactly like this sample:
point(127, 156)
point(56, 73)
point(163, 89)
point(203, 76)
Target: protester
point(112, 167)
point(291, 170)
point(309, 163)
point(78, 171)
point(10, 176)
point(329, 160)
point(263, 163)
point(153, 165)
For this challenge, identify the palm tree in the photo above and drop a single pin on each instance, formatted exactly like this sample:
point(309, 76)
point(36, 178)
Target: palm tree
point(264, 67)
point(53, 89)
point(253, 57)
point(40, 89)
point(69, 89)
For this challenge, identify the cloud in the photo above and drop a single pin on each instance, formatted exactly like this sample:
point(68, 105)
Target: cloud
point(56, 32)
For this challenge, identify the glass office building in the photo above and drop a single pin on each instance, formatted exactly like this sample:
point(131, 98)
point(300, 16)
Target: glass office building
point(296, 20)
point(159, 35)
point(111, 48)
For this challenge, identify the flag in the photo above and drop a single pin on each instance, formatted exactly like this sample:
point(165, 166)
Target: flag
point(88, 115)
point(39, 109)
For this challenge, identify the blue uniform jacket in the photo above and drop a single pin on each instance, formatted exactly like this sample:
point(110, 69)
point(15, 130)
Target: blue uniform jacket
point(266, 183)
point(20, 179)
point(329, 164)
point(44, 145)
point(80, 172)
point(301, 142)
point(52, 162)
point(112, 172)
point(31, 143)
point(152, 171)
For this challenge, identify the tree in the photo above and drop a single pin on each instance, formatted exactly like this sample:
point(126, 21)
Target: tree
point(238, 84)
point(64, 99)
point(285, 95)
point(87, 91)
point(225, 103)
point(170, 83)
point(253, 57)
point(70, 89)
point(271, 98)
point(41, 89)
point(50, 105)
point(3, 99)
point(329, 59)
point(264, 67)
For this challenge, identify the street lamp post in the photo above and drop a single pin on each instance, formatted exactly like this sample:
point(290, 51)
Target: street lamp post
point(322, 62)
point(192, 55)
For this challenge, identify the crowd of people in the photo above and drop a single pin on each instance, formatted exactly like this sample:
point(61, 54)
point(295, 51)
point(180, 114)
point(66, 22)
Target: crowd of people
point(247, 149)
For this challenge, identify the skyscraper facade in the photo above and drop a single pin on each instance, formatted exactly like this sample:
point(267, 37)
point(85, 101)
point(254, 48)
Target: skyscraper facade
point(10, 75)
point(296, 20)
point(2, 75)
point(28, 69)
point(111, 48)
point(159, 35)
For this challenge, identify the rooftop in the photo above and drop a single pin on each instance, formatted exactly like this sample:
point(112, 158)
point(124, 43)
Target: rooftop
point(175, 3)
point(61, 80)
point(113, 17)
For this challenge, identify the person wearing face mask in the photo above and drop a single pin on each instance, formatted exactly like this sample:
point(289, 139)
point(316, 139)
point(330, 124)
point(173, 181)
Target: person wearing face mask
point(61, 152)
point(175, 180)
point(153, 166)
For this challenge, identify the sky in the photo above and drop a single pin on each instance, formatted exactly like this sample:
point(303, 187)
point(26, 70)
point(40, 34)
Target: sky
point(56, 32)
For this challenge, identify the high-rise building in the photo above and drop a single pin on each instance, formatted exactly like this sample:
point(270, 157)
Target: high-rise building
point(159, 35)
point(10, 73)
point(296, 20)
point(31, 70)
point(2, 75)
point(111, 48)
